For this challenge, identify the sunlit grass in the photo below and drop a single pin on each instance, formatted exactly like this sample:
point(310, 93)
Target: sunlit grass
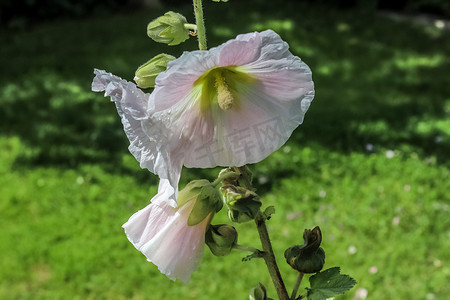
point(369, 165)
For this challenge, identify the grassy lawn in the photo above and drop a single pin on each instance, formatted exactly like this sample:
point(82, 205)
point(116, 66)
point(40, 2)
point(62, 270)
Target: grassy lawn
point(370, 165)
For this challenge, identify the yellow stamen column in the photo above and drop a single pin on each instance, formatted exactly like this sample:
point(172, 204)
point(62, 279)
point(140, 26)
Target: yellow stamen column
point(224, 96)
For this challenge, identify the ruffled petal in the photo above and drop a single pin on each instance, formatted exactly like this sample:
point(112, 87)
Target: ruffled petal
point(240, 51)
point(161, 233)
point(147, 136)
point(272, 46)
point(283, 75)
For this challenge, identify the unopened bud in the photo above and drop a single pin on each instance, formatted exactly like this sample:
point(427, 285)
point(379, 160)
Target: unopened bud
point(168, 29)
point(258, 293)
point(221, 239)
point(206, 196)
point(146, 74)
point(309, 257)
point(243, 204)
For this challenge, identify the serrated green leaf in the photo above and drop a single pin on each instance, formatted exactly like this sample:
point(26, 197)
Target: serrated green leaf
point(328, 283)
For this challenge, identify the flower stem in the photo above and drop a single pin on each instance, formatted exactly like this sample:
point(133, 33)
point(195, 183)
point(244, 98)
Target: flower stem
point(201, 31)
point(190, 26)
point(222, 177)
point(246, 248)
point(269, 257)
point(297, 285)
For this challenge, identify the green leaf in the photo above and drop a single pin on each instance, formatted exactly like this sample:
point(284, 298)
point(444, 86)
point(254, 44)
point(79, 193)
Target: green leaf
point(328, 283)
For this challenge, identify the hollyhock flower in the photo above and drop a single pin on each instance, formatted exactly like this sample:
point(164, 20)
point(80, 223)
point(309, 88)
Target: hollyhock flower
point(228, 106)
point(173, 238)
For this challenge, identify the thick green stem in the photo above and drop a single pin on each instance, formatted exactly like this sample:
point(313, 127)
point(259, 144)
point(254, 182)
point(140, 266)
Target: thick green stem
point(201, 31)
point(297, 285)
point(269, 257)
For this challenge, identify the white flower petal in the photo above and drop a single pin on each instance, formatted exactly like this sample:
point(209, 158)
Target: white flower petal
point(162, 234)
point(240, 51)
point(286, 82)
point(283, 75)
point(148, 140)
point(174, 84)
point(269, 111)
point(250, 133)
point(272, 46)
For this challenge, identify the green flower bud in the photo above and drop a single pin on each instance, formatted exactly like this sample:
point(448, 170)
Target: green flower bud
point(258, 293)
point(168, 29)
point(206, 197)
point(243, 204)
point(146, 74)
point(309, 257)
point(221, 239)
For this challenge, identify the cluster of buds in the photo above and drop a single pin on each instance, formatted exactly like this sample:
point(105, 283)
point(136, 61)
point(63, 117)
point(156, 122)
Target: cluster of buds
point(239, 196)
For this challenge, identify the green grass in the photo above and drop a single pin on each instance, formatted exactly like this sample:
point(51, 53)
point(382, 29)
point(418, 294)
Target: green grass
point(67, 182)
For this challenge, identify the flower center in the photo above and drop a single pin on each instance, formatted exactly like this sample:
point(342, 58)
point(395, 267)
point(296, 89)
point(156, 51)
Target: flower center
point(223, 86)
point(224, 96)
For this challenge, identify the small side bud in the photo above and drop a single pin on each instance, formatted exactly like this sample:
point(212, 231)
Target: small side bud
point(146, 74)
point(221, 239)
point(258, 293)
point(309, 257)
point(168, 29)
point(243, 204)
point(207, 200)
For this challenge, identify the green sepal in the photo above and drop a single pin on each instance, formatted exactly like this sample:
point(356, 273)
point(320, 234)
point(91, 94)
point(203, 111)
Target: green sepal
point(309, 257)
point(328, 283)
point(191, 191)
point(207, 200)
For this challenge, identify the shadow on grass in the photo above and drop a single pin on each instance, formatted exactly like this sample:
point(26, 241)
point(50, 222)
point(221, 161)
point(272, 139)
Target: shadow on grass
point(379, 82)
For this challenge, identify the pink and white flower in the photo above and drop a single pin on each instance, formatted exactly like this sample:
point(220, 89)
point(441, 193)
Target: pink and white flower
point(163, 235)
point(228, 106)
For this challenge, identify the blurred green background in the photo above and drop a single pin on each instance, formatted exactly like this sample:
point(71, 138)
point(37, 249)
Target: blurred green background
point(370, 165)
